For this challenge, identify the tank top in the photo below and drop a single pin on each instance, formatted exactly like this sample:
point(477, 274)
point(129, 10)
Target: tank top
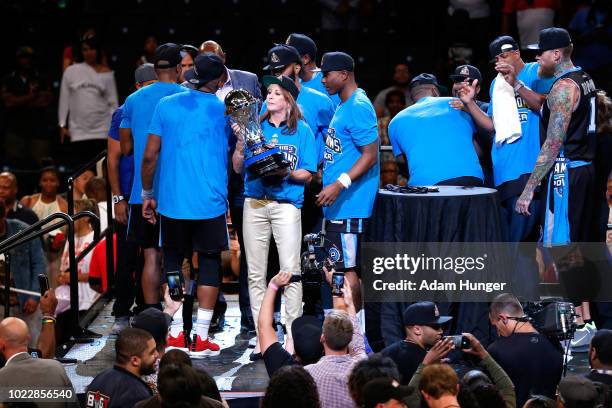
point(580, 141)
point(43, 210)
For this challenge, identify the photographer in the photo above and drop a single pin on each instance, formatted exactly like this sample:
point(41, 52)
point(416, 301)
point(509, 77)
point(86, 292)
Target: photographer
point(532, 362)
point(498, 376)
point(273, 202)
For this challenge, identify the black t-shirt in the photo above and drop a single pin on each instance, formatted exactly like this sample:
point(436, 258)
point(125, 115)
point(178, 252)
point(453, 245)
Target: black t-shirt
point(116, 387)
point(531, 361)
point(598, 377)
point(407, 356)
point(276, 357)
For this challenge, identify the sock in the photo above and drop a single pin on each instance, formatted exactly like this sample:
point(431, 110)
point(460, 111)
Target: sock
point(203, 322)
point(177, 323)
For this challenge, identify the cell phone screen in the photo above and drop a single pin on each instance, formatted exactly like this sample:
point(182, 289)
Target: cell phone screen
point(175, 287)
point(337, 284)
point(43, 283)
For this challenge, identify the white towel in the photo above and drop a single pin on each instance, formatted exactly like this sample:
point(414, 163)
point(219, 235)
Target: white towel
point(505, 113)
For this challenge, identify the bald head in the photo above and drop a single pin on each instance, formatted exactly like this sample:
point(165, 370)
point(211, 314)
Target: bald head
point(14, 336)
point(214, 47)
point(8, 187)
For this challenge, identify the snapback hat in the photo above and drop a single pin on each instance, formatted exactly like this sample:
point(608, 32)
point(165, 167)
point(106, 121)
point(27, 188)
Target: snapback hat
point(502, 44)
point(284, 82)
point(336, 61)
point(144, 73)
point(551, 39)
point(307, 332)
point(463, 72)
point(167, 55)
point(424, 314)
point(282, 55)
point(304, 44)
point(206, 67)
point(153, 321)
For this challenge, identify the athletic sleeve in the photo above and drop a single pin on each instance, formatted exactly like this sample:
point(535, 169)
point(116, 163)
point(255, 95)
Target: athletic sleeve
point(126, 116)
point(113, 131)
point(308, 152)
point(392, 131)
point(156, 127)
point(364, 127)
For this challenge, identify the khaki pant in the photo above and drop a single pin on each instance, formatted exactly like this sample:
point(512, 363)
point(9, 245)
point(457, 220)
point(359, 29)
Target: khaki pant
point(261, 219)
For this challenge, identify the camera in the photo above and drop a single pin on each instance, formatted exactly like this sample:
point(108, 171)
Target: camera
point(556, 319)
point(460, 342)
point(315, 258)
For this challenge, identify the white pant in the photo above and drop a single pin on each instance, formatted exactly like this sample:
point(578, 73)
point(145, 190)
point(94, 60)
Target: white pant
point(260, 219)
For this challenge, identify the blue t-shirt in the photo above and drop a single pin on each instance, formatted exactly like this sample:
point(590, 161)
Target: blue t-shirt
point(318, 110)
point(126, 163)
point(137, 113)
point(511, 160)
point(316, 83)
point(299, 150)
point(353, 126)
point(194, 135)
point(437, 142)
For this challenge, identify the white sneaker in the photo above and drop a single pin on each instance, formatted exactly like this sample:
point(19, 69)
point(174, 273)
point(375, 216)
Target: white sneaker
point(582, 337)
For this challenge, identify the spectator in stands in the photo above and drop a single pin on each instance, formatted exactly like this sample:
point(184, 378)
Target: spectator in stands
point(424, 328)
point(375, 367)
point(384, 393)
point(439, 386)
point(138, 111)
point(70, 57)
point(307, 329)
point(188, 54)
point(539, 367)
point(281, 391)
point(148, 51)
point(8, 193)
point(78, 188)
point(48, 201)
point(27, 262)
point(198, 223)
point(120, 177)
point(26, 96)
point(21, 370)
point(88, 97)
point(210, 391)
point(579, 392)
point(95, 189)
point(121, 386)
point(389, 173)
point(401, 83)
point(432, 125)
point(308, 52)
point(236, 79)
point(83, 237)
point(600, 357)
point(394, 103)
point(531, 17)
point(273, 205)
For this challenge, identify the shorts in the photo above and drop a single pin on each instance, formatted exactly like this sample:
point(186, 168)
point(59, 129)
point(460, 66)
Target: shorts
point(204, 236)
point(344, 242)
point(140, 230)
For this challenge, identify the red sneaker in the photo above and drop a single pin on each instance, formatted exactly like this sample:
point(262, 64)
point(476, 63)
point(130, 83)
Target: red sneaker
point(178, 342)
point(201, 348)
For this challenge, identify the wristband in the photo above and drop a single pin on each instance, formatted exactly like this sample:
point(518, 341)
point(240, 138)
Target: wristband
point(518, 85)
point(345, 180)
point(48, 319)
point(147, 194)
point(273, 286)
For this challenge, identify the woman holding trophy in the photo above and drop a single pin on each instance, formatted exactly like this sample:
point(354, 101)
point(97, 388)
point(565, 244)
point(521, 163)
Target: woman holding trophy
point(274, 190)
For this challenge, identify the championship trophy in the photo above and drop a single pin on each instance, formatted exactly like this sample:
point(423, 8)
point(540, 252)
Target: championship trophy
point(260, 158)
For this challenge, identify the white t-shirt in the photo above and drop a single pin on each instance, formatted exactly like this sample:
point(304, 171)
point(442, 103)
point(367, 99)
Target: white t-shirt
point(87, 101)
point(87, 296)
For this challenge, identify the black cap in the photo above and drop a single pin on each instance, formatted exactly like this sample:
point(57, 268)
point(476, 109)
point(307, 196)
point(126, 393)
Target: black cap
point(304, 44)
point(306, 331)
point(501, 44)
point(381, 390)
point(577, 390)
point(282, 55)
point(145, 72)
point(206, 67)
point(336, 61)
point(167, 55)
point(423, 314)
point(426, 79)
point(153, 321)
point(284, 82)
point(551, 39)
point(463, 72)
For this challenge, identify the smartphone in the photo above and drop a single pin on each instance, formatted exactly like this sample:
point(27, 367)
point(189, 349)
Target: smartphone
point(460, 342)
point(175, 285)
point(43, 283)
point(337, 283)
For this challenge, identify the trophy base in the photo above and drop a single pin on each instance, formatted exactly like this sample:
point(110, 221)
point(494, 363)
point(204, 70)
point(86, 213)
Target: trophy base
point(264, 163)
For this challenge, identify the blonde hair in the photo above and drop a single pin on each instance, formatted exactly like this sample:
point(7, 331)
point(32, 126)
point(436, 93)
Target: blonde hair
point(294, 113)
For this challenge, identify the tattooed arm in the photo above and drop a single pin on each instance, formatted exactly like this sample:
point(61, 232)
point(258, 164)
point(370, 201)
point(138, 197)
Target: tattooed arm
point(561, 101)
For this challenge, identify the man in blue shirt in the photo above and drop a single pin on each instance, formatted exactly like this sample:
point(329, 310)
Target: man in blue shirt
point(137, 113)
point(189, 134)
point(513, 162)
point(436, 138)
point(350, 167)
point(120, 176)
point(308, 52)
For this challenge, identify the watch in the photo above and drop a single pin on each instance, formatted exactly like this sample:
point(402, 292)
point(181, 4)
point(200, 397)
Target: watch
point(518, 85)
point(117, 198)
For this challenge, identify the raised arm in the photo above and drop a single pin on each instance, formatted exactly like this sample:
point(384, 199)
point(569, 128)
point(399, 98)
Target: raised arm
point(561, 101)
point(267, 334)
